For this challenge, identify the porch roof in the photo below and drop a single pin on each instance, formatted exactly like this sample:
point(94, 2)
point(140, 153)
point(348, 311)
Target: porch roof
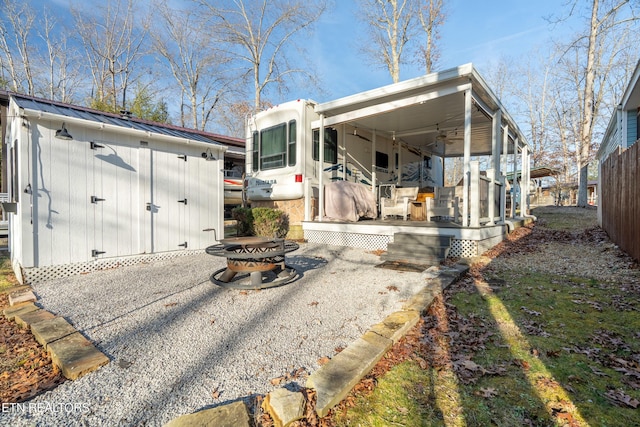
point(428, 113)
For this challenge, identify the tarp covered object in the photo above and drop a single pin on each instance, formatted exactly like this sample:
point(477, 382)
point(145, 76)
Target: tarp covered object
point(348, 201)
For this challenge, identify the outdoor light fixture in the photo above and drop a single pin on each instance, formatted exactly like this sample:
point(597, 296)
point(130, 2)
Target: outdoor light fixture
point(63, 133)
point(208, 155)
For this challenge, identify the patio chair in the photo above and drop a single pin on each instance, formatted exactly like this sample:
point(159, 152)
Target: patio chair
point(398, 202)
point(445, 204)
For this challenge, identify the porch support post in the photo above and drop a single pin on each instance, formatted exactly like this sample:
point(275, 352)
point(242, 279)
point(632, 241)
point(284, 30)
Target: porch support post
point(399, 178)
point(374, 175)
point(308, 194)
point(503, 173)
point(466, 158)
point(321, 169)
point(527, 181)
point(474, 172)
point(344, 152)
point(495, 160)
point(523, 181)
point(514, 166)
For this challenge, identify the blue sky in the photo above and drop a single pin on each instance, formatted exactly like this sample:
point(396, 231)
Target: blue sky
point(478, 31)
point(481, 32)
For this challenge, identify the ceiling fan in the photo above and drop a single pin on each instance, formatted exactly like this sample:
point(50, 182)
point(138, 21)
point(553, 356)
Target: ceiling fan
point(447, 137)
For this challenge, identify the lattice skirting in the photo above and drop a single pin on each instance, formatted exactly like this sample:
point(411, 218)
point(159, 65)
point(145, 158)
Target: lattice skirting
point(460, 248)
point(354, 240)
point(463, 248)
point(41, 274)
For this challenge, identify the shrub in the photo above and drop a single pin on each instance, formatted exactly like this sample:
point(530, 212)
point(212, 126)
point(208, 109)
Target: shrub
point(244, 216)
point(269, 222)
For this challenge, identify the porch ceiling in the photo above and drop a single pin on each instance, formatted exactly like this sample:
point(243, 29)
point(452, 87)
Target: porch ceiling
point(426, 113)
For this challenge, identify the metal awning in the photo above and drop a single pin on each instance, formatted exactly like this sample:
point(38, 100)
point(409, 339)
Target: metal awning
point(428, 113)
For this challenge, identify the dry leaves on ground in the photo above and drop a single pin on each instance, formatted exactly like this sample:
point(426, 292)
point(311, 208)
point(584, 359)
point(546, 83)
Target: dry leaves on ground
point(26, 369)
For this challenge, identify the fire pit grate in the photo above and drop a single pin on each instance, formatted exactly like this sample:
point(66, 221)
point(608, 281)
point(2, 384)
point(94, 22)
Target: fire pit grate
point(253, 262)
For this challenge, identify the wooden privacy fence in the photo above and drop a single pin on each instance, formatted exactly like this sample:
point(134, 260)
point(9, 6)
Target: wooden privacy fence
point(620, 199)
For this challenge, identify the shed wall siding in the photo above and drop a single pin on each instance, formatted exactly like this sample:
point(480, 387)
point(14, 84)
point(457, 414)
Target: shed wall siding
point(632, 128)
point(58, 224)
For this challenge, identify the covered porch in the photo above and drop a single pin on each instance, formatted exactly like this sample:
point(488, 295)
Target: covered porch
point(455, 117)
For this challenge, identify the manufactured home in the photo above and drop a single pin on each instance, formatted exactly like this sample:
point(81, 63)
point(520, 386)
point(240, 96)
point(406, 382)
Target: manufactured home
point(89, 190)
point(397, 139)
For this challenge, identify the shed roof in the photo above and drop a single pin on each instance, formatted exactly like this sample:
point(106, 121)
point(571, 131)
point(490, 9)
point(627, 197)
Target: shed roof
point(122, 120)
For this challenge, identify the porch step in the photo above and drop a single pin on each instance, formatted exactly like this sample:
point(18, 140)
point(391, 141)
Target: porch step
point(423, 239)
point(418, 249)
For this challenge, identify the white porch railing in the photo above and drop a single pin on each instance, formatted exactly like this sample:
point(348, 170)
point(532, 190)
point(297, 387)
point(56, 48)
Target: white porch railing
point(485, 197)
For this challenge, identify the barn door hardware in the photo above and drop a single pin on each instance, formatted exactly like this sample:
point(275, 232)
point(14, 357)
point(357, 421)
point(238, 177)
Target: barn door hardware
point(149, 206)
point(95, 146)
point(183, 201)
point(184, 245)
point(95, 252)
point(183, 157)
point(96, 199)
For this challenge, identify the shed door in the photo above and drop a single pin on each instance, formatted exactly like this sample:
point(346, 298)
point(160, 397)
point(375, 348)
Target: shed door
point(114, 197)
point(186, 198)
point(169, 204)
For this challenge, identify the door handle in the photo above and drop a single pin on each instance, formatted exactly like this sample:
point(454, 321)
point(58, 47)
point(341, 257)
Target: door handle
point(183, 201)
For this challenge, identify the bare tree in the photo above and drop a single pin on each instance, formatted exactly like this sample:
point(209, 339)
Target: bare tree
point(431, 16)
point(233, 116)
point(534, 94)
point(390, 24)
point(193, 60)
point(597, 51)
point(259, 34)
point(62, 76)
point(113, 43)
point(16, 45)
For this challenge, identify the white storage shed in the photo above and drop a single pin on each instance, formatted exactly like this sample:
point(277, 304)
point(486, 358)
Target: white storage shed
point(91, 190)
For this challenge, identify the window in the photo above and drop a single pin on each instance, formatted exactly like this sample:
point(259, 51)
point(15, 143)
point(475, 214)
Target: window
point(330, 145)
point(254, 152)
point(292, 143)
point(273, 147)
point(382, 161)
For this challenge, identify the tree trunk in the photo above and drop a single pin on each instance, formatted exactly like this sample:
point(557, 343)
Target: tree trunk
point(587, 118)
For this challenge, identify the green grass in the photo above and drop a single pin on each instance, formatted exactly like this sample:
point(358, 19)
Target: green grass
point(561, 341)
point(566, 218)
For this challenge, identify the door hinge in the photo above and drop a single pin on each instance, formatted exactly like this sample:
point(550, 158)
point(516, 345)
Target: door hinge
point(96, 199)
point(183, 157)
point(184, 245)
point(95, 252)
point(183, 201)
point(95, 146)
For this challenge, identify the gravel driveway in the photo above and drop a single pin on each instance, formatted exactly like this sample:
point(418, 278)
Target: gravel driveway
point(179, 343)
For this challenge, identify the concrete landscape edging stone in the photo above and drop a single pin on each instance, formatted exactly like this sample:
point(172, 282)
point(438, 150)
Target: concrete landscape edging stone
point(76, 356)
point(69, 350)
